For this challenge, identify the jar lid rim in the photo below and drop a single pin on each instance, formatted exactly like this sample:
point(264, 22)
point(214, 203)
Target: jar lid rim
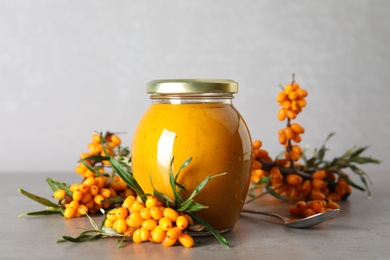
point(166, 86)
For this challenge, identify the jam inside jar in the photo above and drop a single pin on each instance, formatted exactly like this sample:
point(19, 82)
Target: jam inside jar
point(195, 119)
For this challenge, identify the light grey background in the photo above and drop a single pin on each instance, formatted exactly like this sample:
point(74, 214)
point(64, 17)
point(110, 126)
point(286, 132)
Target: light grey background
point(69, 68)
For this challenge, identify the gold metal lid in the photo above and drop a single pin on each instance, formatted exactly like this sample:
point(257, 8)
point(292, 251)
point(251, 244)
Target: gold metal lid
point(173, 86)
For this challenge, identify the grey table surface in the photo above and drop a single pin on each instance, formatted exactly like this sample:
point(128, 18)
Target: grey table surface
point(360, 231)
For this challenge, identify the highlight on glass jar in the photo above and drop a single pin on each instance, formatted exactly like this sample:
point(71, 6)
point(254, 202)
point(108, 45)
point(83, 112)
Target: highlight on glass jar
point(195, 118)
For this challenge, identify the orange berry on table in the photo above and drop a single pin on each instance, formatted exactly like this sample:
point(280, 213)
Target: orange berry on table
point(158, 234)
point(137, 236)
point(167, 242)
point(186, 240)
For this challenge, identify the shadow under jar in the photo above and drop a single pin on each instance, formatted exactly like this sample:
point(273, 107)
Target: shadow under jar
point(195, 118)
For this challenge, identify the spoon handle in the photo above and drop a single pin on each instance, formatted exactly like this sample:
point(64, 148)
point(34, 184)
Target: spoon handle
point(260, 212)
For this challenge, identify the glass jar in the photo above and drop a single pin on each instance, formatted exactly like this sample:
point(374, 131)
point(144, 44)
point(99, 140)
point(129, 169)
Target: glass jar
point(195, 118)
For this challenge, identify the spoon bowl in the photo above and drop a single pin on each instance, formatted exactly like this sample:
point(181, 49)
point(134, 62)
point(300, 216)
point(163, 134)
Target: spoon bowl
point(298, 223)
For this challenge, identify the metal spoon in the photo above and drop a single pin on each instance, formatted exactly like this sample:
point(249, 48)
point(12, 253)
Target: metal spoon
point(299, 223)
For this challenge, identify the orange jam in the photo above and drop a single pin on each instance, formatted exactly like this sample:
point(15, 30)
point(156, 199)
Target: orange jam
point(195, 119)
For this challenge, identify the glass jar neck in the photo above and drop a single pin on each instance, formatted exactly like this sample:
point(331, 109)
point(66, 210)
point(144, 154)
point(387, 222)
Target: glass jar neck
point(191, 98)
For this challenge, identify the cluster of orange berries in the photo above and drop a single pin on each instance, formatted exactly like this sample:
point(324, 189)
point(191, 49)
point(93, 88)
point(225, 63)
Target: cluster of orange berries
point(307, 209)
point(150, 221)
point(91, 195)
point(97, 148)
point(292, 100)
point(97, 188)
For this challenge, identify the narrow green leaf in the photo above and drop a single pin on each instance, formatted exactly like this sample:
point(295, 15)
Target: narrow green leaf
point(127, 177)
point(209, 228)
point(40, 213)
point(38, 199)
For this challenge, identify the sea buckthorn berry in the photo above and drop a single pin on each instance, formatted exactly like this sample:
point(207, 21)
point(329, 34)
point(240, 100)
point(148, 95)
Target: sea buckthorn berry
point(282, 114)
point(297, 128)
point(137, 236)
point(74, 204)
point(69, 212)
point(98, 199)
point(115, 139)
point(128, 202)
point(145, 213)
point(106, 193)
point(100, 182)
point(134, 219)
point(86, 197)
point(121, 213)
point(158, 234)
point(286, 104)
point(316, 205)
point(188, 217)
point(174, 233)
point(291, 114)
point(82, 209)
point(144, 234)
point(149, 224)
point(167, 242)
point(165, 223)
point(319, 174)
point(96, 138)
point(333, 205)
point(297, 138)
point(256, 164)
point(256, 144)
point(80, 169)
point(156, 213)
point(94, 190)
point(295, 211)
point(136, 206)
point(111, 215)
point(301, 205)
point(77, 195)
point(108, 223)
point(151, 202)
point(182, 222)
point(281, 97)
point(171, 214)
point(59, 194)
point(120, 225)
point(282, 138)
point(309, 212)
point(89, 181)
point(301, 93)
point(294, 179)
point(186, 240)
point(317, 195)
point(128, 192)
point(289, 133)
point(318, 183)
point(293, 95)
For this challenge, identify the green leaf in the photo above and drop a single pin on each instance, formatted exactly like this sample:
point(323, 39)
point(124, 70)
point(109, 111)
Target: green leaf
point(40, 213)
point(38, 199)
point(209, 228)
point(127, 177)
